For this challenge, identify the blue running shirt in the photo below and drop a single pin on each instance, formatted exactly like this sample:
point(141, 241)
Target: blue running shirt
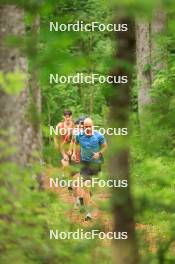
point(89, 145)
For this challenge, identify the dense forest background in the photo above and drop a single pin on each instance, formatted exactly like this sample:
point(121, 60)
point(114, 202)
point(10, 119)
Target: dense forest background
point(30, 105)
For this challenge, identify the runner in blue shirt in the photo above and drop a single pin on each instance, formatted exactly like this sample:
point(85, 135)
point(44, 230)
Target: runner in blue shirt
point(92, 146)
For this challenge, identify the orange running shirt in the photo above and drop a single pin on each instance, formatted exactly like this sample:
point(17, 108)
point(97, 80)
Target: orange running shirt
point(65, 132)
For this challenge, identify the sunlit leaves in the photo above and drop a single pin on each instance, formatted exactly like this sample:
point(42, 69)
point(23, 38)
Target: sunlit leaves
point(12, 82)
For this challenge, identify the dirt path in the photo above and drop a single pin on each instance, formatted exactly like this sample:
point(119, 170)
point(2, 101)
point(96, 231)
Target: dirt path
point(74, 214)
point(99, 216)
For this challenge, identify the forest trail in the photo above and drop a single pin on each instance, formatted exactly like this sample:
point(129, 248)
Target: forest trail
point(101, 217)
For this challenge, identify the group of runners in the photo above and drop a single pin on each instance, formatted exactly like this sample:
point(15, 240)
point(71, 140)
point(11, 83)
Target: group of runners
point(82, 150)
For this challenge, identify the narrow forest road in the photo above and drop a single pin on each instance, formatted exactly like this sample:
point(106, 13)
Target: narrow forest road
point(100, 216)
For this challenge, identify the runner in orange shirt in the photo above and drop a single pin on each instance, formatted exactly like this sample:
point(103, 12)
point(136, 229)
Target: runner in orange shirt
point(64, 137)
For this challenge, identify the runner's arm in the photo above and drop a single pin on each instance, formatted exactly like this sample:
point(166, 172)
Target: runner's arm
point(71, 147)
point(103, 144)
point(101, 152)
point(103, 148)
point(75, 147)
point(58, 146)
point(62, 150)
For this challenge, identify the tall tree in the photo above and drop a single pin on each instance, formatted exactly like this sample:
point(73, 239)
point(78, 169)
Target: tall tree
point(151, 56)
point(16, 125)
point(125, 251)
point(158, 53)
point(143, 56)
point(13, 107)
point(90, 71)
point(35, 97)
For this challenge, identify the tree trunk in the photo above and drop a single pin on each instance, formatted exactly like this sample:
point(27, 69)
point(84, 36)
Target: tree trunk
point(91, 103)
point(35, 99)
point(143, 56)
point(158, 54)
point(90, 71)
point(125, 251)
point(16, 126)
point(13, 107)
point(35, 89)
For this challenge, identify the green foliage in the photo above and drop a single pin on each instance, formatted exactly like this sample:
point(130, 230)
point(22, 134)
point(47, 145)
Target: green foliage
point(80, 53)
point(26, 214)
point(12, 82)
point(153, 189)
point(26, 218)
